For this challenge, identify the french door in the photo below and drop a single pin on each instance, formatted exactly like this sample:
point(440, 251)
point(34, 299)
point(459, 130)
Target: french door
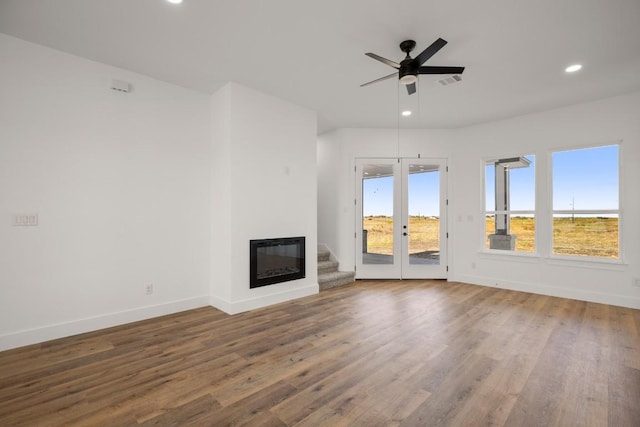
point(401, 230)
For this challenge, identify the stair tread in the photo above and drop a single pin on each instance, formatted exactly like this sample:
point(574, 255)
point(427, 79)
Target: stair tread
point(341, 281)
point(324, 264)
point(335, 275)
point(328, 274)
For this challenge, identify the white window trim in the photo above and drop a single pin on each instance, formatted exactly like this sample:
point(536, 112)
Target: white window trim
point(535, 213)
point(580, 260)
point(544, 214)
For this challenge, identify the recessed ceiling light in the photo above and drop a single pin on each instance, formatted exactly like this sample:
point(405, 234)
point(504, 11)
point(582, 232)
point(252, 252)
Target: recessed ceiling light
point(175, 1)
point(573, 68)
point(406, 113)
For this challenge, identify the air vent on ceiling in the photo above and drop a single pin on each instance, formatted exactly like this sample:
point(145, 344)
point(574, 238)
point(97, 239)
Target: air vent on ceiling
point(450, 80)
point(120, 86)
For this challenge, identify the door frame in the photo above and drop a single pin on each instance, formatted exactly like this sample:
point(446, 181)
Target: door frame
point(401, 268)
point(377, 271)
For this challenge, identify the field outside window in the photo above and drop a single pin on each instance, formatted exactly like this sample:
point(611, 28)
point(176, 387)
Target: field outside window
point(586, 209)
point(510, 204)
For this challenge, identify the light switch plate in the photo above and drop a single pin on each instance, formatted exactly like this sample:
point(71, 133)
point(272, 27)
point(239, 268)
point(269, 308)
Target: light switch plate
point(26, 220)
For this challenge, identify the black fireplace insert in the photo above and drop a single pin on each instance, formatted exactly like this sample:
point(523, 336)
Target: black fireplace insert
point(276, 261)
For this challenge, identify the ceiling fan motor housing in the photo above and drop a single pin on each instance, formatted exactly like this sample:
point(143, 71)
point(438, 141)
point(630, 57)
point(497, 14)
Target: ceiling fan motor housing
point(408, 72)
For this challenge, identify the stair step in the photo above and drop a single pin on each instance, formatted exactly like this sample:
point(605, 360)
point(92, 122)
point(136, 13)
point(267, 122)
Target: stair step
point(336, 278)
point(323, 255)
point(327, 266)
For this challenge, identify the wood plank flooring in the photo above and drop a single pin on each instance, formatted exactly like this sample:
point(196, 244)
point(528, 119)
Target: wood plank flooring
point(375, 353)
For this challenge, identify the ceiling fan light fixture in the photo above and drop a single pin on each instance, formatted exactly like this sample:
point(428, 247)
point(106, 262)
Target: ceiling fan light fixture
point(407, 79)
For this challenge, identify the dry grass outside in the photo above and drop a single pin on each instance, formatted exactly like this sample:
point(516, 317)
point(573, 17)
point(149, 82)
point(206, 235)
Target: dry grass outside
point(591, 236)
point(523, 228)
point(424, 234)
point(595, 237)
point(379, 234)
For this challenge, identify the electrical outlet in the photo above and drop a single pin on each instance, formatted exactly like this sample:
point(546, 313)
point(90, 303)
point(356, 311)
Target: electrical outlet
point(636, 282)
point(148, 289)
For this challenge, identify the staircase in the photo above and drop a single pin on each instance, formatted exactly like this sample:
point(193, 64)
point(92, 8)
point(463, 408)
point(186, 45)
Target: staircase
point(328, 274)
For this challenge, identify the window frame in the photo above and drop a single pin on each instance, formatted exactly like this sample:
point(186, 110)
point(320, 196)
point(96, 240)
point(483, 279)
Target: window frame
point(486, 161)
point(595, 212)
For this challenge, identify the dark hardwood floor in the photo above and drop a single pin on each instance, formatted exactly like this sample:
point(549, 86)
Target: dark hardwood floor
point(376, 353)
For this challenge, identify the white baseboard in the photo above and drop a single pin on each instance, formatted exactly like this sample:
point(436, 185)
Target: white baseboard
point(235, 307)
point(74, 327)
point(536, 288)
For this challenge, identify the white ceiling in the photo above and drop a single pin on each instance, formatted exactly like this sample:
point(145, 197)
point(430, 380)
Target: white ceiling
point(312, 52)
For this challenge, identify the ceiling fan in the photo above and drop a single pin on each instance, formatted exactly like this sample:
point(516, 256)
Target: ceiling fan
point(409, 68)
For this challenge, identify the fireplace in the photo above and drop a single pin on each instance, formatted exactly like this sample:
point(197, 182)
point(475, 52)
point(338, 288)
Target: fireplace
point(276, 261)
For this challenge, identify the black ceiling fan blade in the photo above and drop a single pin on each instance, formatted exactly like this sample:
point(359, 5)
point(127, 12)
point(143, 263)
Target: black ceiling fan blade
point(383, 60)
point(430, 51)
point(380, 79)
point(411, 88)
point(440, 70)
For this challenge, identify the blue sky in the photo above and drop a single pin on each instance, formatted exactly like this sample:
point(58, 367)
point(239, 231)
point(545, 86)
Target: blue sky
point(377, 196)
point(522, 184)
point(424, 196)
point(587, 176)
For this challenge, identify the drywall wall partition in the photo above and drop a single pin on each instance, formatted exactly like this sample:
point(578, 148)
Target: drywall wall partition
point(337, 153)
point(268, 189)
point(602, 122)
point(606, 121)
point(221, 215)
point(120, 184)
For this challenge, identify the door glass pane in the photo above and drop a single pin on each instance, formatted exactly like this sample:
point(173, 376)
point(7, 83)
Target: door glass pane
point(424, 214)
point(377, 214)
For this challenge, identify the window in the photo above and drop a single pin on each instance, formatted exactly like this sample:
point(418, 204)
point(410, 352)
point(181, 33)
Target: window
point(586, 209)
point(510, 204)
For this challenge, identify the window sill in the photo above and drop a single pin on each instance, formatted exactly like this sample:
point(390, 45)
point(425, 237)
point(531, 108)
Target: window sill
point(510, 255)
point(587, 262)
point(569, 261)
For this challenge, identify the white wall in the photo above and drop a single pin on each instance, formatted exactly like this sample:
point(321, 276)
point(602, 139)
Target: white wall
point(221, 215)
point(267, 150)
point(337, 153)
point(605, 121)
point(167, 186)
point(121, 186)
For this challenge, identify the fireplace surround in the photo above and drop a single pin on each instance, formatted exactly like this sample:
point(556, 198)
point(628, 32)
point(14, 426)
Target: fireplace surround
point(276, 260)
